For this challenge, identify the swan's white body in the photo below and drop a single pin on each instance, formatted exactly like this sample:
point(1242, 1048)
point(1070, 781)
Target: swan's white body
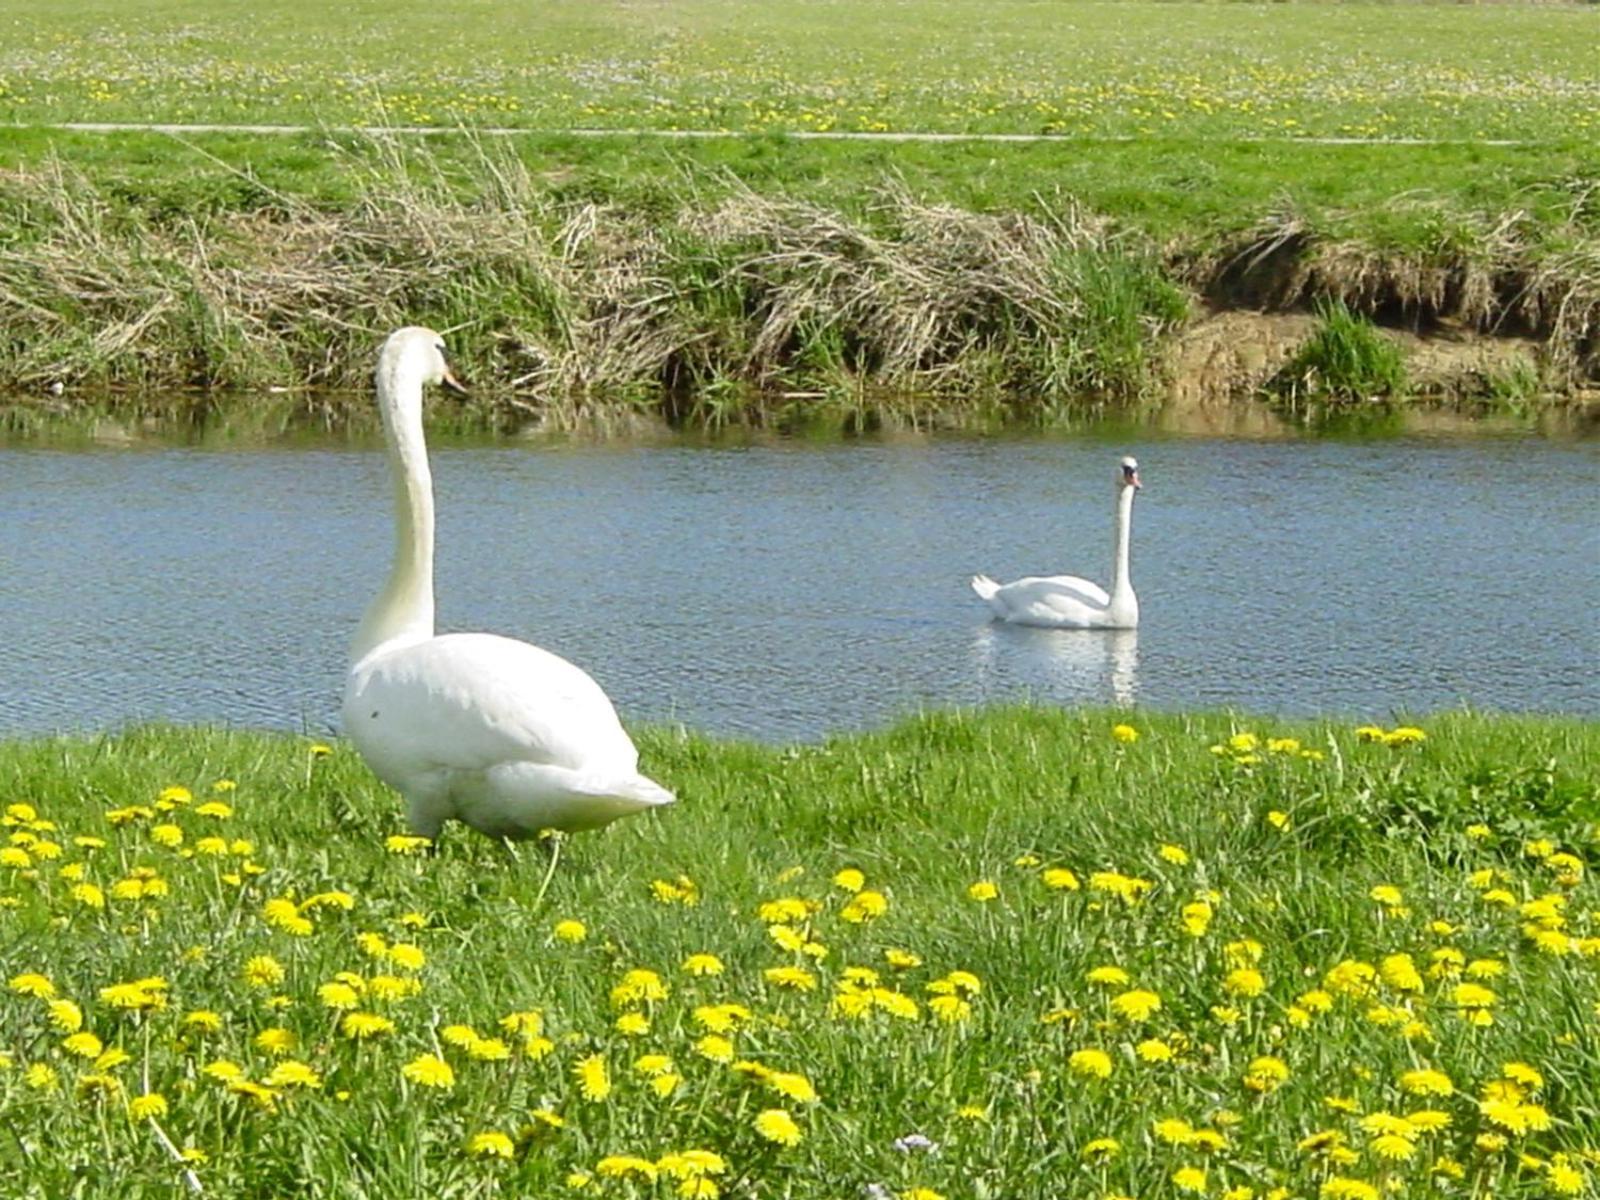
point(496, 733)
point(1065, 601)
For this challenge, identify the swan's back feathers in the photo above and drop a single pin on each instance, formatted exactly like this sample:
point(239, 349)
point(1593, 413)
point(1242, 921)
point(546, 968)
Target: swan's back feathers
point(1060, 601)
point(472, 701)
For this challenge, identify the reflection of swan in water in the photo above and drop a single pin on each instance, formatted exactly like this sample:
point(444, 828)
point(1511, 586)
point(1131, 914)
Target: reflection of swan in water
point(1061, 664)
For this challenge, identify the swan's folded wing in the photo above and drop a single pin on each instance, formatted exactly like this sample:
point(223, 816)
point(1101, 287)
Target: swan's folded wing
point(471, 701)
point(1079, 589)
point(1052, 591)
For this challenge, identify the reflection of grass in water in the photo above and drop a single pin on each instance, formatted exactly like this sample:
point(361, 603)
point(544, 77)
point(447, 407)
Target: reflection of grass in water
point(1306, 894)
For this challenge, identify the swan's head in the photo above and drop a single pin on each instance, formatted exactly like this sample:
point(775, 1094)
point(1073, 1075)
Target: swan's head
point(1128, 477)
point(419, 352)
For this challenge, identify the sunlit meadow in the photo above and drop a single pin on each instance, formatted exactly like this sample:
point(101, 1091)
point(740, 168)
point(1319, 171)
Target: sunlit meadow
point(1096, 69)
point(1022, 954)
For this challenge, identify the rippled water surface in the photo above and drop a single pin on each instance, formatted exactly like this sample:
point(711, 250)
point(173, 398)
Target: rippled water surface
point(785, 591)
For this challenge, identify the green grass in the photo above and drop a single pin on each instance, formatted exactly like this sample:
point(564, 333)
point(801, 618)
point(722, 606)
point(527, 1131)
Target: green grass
point(1345, 361)
point(1287, 848)
point(1139, 69)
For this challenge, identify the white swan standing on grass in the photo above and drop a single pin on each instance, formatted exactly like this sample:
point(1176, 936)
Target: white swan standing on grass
point(503, 736)
point(1065, 601)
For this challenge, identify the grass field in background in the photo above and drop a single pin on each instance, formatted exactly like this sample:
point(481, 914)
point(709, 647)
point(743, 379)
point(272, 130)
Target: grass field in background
point(1083, 953)
point(1141, 69)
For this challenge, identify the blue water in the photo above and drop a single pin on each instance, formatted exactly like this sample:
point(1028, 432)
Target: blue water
point(789, 590)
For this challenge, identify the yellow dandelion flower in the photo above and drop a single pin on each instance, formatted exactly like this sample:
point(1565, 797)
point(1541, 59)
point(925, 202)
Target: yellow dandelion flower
point(1245, 982)
point(276, 1040)
point(263, 971)
point(203, 1020)
point(570, 931)
point(1196, 918)
point(1392, 1147)
point(1524, 1074)
point(1090, 1063)
point(594, 1080)
point(1129, 888)
point(1060, 879)
point(290, 1073)
point(429, 1070)
point(792, 1085)
point(83, 1045)
point(776, 1125)
point(32, 984)
point(639, 986)
point(797, 978)
point(1428, 1120)
point(865, 906)
point(490, 1144)
point(621, 1166)
point(1176, 855)
point(1100, 1149)
point(1154, 1050)
point(364, 1025)
point(850, 879)
point(950, 1009)
point(147, 1107)
point(715, 1047)
point(66, 1016)
point(1426, 1082)
point(1265, 1073)
point(1342, 1188)
point(406, 956)
point(488, 1050)
point(1565, 1178)
point(1136, 1005)
point(1189, 1179)
point(982, 891)
point(1126, 734)
point(338, 996)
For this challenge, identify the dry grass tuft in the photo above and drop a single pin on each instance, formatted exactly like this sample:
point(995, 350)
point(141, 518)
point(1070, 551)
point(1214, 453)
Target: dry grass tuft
point(569, 301)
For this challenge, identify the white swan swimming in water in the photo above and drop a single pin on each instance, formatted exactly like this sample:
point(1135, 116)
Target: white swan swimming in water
point(496, 733)
point(1065, 601)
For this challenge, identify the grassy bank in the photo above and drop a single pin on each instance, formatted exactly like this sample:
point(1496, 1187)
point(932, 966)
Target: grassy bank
point(673, 285)
point(1082, 959)
point(756, 277)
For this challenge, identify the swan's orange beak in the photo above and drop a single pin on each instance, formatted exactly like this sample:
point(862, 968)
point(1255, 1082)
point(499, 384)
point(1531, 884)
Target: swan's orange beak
point(453, 384)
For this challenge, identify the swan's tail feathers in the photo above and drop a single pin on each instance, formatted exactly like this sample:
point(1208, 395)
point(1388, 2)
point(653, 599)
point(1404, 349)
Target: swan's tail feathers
point(637, 792)
point(985, 587)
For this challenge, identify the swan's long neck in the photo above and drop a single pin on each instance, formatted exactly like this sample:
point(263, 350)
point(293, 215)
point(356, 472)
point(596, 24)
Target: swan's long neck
point(1121, 584)
point(404, 609)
